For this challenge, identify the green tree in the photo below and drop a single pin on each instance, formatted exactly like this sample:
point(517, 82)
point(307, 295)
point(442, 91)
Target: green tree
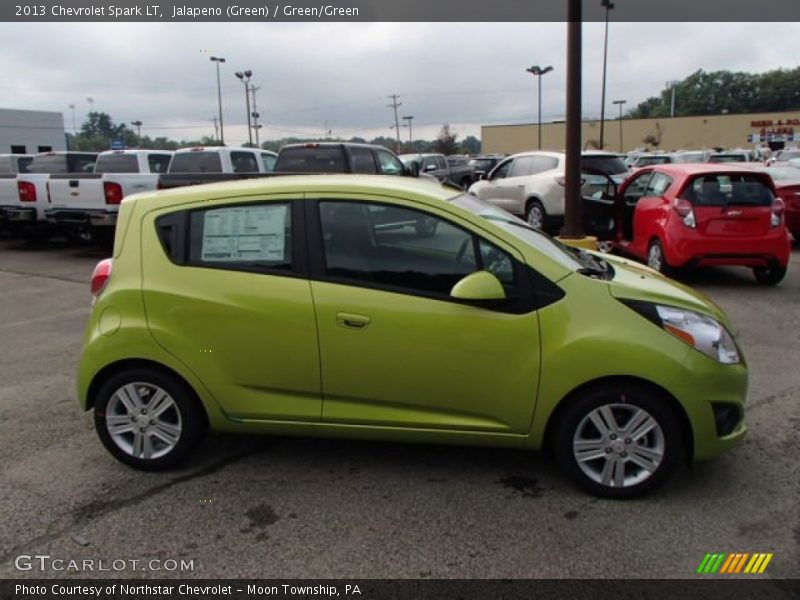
point(471, 145)
point(446, 142)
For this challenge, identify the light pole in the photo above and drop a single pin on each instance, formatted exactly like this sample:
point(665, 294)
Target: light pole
point(408, 119)
point(138, 125)
point(74, 122)
point(608, 6)
point(217, 60)
point(255, 114)
point(572, 168)
point(244, 77)
point(620, 103)
point(538, 72)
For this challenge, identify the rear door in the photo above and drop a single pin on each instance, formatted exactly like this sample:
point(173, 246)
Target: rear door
point(731, 205)
point(225, 293)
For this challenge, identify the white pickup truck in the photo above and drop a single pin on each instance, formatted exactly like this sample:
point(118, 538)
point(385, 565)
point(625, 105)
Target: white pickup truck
point(27, 195)
point(88, 203)
point(10, 166)
point(209, 164)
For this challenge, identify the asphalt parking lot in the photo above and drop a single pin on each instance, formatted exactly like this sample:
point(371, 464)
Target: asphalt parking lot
point(280, 507)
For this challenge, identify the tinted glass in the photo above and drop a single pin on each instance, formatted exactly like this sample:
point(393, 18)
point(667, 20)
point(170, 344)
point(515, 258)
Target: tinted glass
point(311, 159)
point(644, 161)
point(116, 163)
point(62, 163)
point(196, 162)
point(483, 164)
point(393, 246)
point(636, 188)
point(23, 164)
point(658, 185)
point(727, 190)
point(390, 164)
point(533, 165)
point(610, 165)
point(158, 163)
point(269, 162)
point(501, 170)
point(244, 162)
point(726, 158)
point(258, 235)
point(363, 162)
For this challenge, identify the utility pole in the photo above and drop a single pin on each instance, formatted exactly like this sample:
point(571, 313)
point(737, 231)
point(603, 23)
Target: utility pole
point(572, 189)
point(408, 119)
point(608, 6)
point(395, 105)
point(138, 125)
point(217, 60)
point(620, 103)
point(538, 72)
point(74, 122)
point(244, 77)
point(256, 126)
point(216, 128)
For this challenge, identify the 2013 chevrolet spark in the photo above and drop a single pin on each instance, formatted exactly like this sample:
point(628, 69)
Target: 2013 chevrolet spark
point(389, 309)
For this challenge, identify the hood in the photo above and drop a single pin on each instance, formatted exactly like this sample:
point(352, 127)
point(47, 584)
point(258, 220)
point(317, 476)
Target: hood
point(634, 281)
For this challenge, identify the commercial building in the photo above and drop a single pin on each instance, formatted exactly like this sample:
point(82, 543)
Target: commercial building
point(671, 133)
point(31, 131)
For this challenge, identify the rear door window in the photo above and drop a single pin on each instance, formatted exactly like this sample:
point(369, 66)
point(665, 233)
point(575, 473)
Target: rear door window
point(363, 161)
point(244, 162)
point(533, 165)
point(158, 163)
point(269, 161)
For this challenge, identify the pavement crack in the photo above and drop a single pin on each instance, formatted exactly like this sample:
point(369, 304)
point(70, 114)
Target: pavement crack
point(766, 400)
point(39, 276)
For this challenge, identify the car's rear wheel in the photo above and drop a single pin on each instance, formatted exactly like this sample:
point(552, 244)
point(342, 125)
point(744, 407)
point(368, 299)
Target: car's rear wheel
point(535, 215)
point(618, 441)
point(772, 275)
point(148, 419)
point(656, 259)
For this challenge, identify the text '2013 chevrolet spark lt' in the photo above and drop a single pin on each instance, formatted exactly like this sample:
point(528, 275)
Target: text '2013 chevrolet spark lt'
point(373, 308)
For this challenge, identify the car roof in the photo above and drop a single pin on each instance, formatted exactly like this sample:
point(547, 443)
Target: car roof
point(372, 185)
point(689, 169)
point(135, 151)
point(332, 145)
point(215, 148)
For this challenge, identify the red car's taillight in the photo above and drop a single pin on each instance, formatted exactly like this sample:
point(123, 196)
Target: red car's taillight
point(113, 192)
point(27, 191)
point(685, 211)
point(776, 218)
point(100, 276)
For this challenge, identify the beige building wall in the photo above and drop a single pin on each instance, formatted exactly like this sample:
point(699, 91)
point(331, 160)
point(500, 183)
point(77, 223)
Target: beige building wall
point(677, 133)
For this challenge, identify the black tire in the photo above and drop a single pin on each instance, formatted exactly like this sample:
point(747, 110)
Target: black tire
point(191, 420)
point(103, 237)
point(536, 215)
point(772, 275)
point(465, 183)
point(662, 265)
point(626, 398)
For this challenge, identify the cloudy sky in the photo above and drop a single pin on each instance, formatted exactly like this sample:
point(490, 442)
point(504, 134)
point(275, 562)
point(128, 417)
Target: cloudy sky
point(466, 74)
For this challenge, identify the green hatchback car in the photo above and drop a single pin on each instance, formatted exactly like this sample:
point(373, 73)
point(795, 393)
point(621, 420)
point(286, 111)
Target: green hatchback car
point(391, 309)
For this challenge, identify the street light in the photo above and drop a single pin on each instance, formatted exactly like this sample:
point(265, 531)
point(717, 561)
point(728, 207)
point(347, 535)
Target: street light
point(138, 125)
point(217, 60)
point(244, 77)
point(408, 119)
point(538, 72)
point(608, 5)
point(620, 103)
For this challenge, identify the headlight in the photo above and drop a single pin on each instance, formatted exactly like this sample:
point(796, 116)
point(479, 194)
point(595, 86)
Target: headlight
point(699, 331)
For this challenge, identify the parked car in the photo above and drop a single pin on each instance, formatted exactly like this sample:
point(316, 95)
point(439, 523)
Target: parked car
point(485, 163)
point(10, 166)
point(787, 185)
point(292, 305)
point(691, 156)
point(675, 216)
point(209, 164)
point(648, 159)
point(784, 156)
point(341, 157)
point(459, 173)
point(531, 184)
point(731, 156)
point(27, 196)
point(88, 202)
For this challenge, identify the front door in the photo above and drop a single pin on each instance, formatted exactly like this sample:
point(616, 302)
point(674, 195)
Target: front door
point(395, 349)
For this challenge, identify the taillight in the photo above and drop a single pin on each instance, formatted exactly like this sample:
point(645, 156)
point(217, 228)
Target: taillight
point(776, 218)
point(100, 276)
point(685, 211)
point(113, 192)
point(27, 191)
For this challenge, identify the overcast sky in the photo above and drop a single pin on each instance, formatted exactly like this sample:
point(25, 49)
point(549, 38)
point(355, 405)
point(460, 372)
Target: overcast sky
point(466, 74)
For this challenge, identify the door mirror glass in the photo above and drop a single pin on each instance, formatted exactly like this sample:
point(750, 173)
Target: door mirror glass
point(480, 285)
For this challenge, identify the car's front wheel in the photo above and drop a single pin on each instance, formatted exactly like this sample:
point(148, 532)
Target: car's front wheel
point(535, 215)
point(618, 441)
point(656, 259)
point(148, 419)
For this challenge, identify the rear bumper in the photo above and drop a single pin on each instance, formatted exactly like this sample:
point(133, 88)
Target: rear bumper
point(18, 214)
point(81, 217)
point(691, 249)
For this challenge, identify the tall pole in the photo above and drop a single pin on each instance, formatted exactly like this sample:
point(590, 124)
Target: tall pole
point(608, 6)
point(395, 105)
point(620, 103)
point(244, 77)
point(538, 72)
point(138, 125)
point(74, 122)
point(216, 128)
point(409, 118)
point(572, 188)
point(256, 126)
point(217, 60)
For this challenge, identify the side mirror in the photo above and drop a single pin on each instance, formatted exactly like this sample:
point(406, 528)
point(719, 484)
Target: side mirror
point(480, 285)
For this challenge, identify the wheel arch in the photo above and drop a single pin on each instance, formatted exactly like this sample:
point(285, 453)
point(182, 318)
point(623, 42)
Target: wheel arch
point(673, 403)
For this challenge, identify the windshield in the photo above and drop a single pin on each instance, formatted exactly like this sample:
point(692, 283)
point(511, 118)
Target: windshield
point(574, 259)
point(610, 165)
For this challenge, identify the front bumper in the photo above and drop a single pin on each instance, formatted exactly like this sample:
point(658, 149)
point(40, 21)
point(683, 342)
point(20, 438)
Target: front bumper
point(81, 217)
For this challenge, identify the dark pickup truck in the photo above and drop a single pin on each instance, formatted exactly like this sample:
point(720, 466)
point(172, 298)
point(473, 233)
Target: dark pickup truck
point(317, 157)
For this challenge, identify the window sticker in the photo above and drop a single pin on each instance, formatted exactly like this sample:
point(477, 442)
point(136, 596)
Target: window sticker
point(245, 233)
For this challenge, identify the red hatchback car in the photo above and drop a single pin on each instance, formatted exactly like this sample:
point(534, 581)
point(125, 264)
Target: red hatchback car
point(689, 215)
